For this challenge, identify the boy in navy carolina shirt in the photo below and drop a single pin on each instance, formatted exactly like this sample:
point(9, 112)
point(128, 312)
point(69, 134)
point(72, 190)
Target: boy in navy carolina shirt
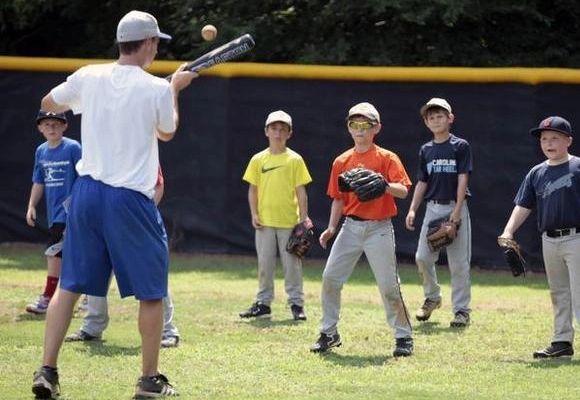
point(444, 167)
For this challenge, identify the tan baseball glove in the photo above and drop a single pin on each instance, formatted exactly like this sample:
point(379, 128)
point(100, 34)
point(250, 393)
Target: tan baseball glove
point(513, 255)
point(441, 233)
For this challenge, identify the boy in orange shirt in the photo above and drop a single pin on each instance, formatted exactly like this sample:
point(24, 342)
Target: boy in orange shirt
point(367, 228)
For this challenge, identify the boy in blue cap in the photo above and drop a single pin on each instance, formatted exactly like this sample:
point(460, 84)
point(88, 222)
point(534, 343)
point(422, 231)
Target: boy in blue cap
point(53, 177)
point(553, 188)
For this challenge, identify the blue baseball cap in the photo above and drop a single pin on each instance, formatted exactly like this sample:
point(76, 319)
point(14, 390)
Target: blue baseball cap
point(47, 114)
point(556, 124)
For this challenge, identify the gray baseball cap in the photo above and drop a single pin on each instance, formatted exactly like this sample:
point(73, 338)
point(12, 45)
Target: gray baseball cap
point(138, 25)
point(279, 116)
point(366, 110)
point(435, 102)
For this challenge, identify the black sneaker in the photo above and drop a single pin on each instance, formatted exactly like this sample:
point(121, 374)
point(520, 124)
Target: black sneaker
point(81, 336)
point(326, 342)
point(45, 384)
point(152, 387)
point(257, 310)
point(403, 347)
point(298, 312)
point(556, 349)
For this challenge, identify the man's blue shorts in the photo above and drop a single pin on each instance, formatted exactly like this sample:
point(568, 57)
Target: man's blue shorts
point(114, 229)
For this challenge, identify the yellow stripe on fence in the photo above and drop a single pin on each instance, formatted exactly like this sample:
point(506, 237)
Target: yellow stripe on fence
point(530, 76)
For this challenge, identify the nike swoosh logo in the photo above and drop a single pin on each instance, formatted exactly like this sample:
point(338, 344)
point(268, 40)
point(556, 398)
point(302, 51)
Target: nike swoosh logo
point(264, 169)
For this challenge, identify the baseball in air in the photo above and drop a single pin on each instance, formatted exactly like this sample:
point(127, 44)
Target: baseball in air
point(209, 33)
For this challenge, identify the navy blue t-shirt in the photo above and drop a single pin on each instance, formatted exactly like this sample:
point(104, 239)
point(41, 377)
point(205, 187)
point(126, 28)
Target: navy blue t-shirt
point(55, 169)
point(440, 164)
point(555, 192)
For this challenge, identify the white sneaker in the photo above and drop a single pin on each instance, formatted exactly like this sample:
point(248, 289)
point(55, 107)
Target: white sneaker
point(39, 306)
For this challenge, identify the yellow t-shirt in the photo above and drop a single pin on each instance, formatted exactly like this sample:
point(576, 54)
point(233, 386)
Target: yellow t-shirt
point(276, 177)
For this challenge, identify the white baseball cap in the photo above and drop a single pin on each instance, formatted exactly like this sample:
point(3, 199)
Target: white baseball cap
point(366, 110)
point(138, 25)
point(436, 102)
point(279, 116)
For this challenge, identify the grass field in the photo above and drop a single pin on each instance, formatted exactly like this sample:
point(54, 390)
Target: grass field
point(222, 357)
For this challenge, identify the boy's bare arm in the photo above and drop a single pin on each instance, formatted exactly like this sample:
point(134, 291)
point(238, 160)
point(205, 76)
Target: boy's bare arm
point(35, 195)
point(302, 202)
point(253, 202)
point(418, 196)
point(335, 214)
point(517, 218)
point(158, 193)
point(462, 180)
point(397, 190)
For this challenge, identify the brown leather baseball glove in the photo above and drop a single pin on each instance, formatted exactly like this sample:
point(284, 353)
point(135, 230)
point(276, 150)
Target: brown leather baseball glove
point(301, 238)
point(441, 233)
point(513, 255)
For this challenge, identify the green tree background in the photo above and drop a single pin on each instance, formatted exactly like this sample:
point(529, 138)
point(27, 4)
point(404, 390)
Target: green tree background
point(478, 33)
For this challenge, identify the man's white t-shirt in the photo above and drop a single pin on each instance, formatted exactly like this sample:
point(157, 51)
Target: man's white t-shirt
point(122, 108)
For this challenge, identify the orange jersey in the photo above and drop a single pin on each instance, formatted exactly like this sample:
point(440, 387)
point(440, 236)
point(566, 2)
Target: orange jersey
point(379, 160)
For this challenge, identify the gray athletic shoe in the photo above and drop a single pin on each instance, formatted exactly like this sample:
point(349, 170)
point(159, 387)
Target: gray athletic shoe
point(45, 384)
point(461, 320)
point(424, 313)
point(169, 341)
point(81, 336)
point(153, 387)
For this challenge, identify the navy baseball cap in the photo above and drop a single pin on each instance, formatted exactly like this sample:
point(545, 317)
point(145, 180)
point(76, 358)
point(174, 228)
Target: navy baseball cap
point(557, 124)
point(47, 114)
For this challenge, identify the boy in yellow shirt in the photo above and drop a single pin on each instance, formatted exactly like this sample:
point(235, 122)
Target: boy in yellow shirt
point(277, 197)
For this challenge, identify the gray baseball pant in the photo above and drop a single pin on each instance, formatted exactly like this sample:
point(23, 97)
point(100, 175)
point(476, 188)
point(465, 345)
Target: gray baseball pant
point(269, 241)
point(97, 318)
point(562, 261)
point(377, 240)
point(458, 257)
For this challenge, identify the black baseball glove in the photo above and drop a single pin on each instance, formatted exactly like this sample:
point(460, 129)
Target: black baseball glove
point(441, 232)
point(346, 179)
point(513, 255)
point(366, 184)
point(301, 238)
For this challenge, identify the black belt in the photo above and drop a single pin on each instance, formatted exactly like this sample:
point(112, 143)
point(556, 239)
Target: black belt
point(554, 233)
point(444, 202)
point(357, 218)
